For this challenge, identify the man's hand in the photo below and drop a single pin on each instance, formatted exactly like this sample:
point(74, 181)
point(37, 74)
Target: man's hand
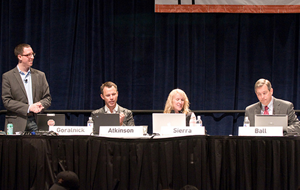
point(122, 117)
point(36, 107)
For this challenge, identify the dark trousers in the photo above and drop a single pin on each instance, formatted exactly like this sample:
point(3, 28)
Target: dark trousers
point(31, 124)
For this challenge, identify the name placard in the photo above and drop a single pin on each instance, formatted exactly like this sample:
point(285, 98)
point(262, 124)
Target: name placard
point(182, 131)
point(260, 131)
point(121, 131)
point(71, 130)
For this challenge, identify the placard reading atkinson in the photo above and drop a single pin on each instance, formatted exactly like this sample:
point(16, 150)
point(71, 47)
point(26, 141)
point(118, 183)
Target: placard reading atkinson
point(121, 131)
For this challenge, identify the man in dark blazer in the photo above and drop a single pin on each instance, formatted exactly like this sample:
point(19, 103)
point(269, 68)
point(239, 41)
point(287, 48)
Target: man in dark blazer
point(269, 105)
point(25, 91)
point(109, 93)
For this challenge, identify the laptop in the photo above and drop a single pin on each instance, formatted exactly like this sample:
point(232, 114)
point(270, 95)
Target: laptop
point(105, 119)
point(271, 121)
point(44, 120)
point(167, 119)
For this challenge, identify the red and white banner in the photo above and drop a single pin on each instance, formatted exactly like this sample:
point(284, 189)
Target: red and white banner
point(227, 6)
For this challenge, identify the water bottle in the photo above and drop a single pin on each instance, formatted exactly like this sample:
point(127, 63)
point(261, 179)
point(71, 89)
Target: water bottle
point(199, 121)
point(10, 129)
point(246, 122)
point(90, 122)
point(193, 120)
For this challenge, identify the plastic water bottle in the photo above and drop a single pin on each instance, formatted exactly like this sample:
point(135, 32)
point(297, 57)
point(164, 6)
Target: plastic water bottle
point(10, 129)
point(246, 122)
point(193, 120)
point(90, 122)
point(199, 121)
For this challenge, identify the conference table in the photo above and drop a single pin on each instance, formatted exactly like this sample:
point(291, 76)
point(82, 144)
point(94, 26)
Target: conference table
point(207, 162)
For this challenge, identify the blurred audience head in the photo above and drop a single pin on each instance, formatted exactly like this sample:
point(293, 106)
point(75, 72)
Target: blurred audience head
point(189, 187)
point(66, 180)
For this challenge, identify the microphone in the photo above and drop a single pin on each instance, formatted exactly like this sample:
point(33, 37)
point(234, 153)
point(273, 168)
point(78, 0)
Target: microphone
point(26, 80)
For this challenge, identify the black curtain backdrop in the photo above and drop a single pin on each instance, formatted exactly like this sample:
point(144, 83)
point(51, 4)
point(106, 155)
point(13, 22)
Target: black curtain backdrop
point(214, 58)
point(207, 162)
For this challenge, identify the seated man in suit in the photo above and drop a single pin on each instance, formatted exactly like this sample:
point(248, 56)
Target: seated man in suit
point(270, 105)
point(109, 93)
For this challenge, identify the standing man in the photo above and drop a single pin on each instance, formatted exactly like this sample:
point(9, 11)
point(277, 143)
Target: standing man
point(109, 93)
point(269, 105)
point(25, 91)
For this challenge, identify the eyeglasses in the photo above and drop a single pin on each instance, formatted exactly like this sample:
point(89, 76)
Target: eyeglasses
point(29, 55)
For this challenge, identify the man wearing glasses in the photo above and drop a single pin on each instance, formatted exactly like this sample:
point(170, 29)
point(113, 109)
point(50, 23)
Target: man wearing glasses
point(25, 91)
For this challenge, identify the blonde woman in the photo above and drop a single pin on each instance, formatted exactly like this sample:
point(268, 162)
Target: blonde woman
point(178, 102)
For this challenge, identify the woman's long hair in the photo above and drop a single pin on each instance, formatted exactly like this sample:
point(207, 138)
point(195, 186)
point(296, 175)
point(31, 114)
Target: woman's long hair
point(169, 105)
